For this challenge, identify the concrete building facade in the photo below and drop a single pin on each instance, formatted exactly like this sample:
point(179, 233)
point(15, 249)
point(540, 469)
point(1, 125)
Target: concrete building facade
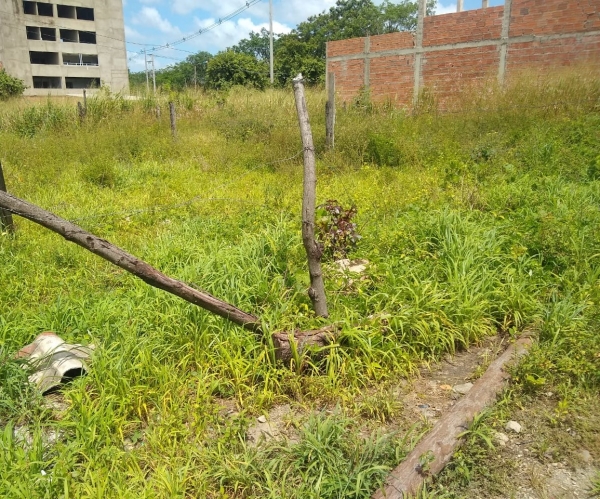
point(60, 47)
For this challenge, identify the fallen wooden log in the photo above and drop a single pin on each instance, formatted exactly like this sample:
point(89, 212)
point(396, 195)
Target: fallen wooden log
point(438, 446)
point(153, 277)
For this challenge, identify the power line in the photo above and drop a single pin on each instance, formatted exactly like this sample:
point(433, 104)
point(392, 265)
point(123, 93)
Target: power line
point(201, 31)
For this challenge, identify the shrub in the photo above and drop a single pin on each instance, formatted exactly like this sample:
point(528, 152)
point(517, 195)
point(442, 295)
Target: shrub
point(10, 86)
point(230, 68)
point(336, 230)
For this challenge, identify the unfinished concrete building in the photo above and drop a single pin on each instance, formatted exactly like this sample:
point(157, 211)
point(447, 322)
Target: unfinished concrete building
point(64, 46)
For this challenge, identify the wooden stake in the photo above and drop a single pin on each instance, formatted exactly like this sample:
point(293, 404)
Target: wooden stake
point(173, 119)
point(438, 446)
point(6, 220)
point(126, 261)
point(80, 112)
point(316, 292)
point(330, 112)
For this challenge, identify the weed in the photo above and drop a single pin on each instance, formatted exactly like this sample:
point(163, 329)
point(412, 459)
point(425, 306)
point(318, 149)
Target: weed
point(490, 224)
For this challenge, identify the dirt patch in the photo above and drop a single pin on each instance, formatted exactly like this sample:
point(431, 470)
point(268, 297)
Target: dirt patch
point(437, 390)
point(278, 423)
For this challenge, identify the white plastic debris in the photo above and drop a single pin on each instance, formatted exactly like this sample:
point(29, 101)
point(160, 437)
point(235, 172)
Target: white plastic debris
point(54, 362)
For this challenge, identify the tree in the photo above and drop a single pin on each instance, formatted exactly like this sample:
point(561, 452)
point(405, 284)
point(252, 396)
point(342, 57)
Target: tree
point(10, 86)
point(303, 50)
point(295, 56)
point(257, 45)
point(232, 68)
point(186, 73)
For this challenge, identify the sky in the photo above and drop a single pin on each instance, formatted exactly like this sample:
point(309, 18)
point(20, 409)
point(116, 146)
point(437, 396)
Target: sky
point(151, 23)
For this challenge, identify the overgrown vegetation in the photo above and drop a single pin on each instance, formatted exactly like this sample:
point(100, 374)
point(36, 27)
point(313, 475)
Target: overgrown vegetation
point(9, 85)
point(484, 221)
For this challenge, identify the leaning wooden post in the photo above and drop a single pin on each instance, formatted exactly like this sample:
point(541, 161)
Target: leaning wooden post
point(128, 262)
point(435, 450)
point(6, 220)
point(316, 292)
point(173, 119)
point(330, 112)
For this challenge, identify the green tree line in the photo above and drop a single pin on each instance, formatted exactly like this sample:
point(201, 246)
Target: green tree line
point(300, 51)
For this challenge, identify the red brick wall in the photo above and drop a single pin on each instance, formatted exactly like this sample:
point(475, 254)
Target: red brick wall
point(468, 26)
point(545, 55)
point(349, 77)
point(545, 17)
point(543, 34)
point(392, 78)
point(446, 75)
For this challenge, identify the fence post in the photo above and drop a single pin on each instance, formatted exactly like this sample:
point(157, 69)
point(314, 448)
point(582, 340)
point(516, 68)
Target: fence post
point(422, 11)
point(85, 101)
point(80, 112)
point(6, 219)
point(330, 112)
point(173, 119)
point(316, 292)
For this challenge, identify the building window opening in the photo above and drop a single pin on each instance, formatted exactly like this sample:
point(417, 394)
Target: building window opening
point(66, 11)
point(72, 82)
point(68, 35)
point(48, 34)
point(47, 82)
point(33, 33)
point(45, 9)
point(85, 13)
point(43, 57)
point(87, 37)
point(29, 8)
point(80, 59)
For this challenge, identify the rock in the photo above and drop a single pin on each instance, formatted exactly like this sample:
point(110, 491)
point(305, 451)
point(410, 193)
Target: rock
point(261, 419)
point(462, 389)
point(501, 438)
point(355, 266)
point(585, 456)
point(513, 426)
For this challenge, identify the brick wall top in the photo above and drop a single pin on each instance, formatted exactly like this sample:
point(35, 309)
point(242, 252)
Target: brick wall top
point(381, 43)
point(346, 47)
point(546, 17)
point(467, 26)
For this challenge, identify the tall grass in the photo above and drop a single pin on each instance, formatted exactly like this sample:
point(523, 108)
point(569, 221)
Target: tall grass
point(477, 221)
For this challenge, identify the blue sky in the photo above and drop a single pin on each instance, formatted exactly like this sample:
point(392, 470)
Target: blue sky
point(157, 22)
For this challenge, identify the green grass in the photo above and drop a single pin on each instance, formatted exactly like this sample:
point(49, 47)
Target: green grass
point(473, 222)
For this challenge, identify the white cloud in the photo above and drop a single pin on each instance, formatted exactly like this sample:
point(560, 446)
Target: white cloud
point(445, 9)
point(150, 17)
point(287, 11)
point(131, 35)
point(231, 32)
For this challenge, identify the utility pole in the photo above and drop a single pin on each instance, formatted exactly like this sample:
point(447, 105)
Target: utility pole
point(153, 74)
point(271, 40)
point(146, 64)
